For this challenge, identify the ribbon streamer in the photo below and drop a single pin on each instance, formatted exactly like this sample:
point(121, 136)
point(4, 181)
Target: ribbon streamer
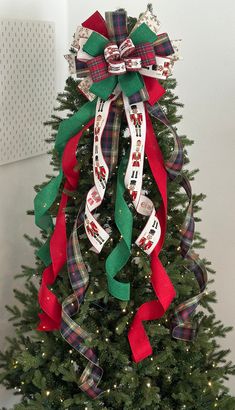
point(138, 339)
point(121, 253)
point(70, 330)
point(181, 321)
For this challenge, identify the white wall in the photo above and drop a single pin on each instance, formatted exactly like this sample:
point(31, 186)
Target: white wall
point(17, 179)
point(205, 85)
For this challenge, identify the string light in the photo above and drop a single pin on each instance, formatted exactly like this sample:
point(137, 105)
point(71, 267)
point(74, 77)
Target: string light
point(115, 386)
point(124, 310)
point(108, 391)
point(209, 383)
point(97, 331)
point(48, 393)
point(106, 339)
point(70, 351)
point(148, 384)
point(43, 354)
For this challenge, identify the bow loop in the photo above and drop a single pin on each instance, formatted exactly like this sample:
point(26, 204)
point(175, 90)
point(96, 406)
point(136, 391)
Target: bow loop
point(98, 68)
point(127, 47)
point(146, 52)
point(111, 52)
point(116, 22)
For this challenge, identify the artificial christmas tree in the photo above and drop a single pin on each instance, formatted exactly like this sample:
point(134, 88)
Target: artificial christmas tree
point(119, 327)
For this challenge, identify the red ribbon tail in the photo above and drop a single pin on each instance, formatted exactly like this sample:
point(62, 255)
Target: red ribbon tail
point(163, 288)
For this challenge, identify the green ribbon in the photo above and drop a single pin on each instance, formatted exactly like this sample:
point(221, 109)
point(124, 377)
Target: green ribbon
point(130, 82)
point(46, 197)
point(121, 253)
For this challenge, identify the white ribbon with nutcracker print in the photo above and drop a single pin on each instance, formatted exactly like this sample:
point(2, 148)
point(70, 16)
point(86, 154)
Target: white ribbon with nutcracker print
point(135, 114)
point(136, 119)
point(96, 234)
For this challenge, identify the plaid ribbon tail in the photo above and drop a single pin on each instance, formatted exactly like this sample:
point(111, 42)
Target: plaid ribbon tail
point(110, 137)
point(70, 330)
point(182, 325)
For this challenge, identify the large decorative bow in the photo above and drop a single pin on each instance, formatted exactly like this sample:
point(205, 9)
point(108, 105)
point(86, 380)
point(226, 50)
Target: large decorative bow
point(107, 55)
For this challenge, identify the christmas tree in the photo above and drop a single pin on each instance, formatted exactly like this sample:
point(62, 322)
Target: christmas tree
point(130, 333)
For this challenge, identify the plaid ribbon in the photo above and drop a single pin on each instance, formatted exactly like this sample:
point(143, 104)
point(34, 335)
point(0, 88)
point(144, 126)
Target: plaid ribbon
point(146, 52)
point(117, 25)
point(70, 330)
point(110, 137)
point(98, 68)
point(162, 46)
point(182, 325)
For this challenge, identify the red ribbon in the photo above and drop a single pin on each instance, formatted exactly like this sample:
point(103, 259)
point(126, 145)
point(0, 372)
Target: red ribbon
point(50, 319)
point(155, 309)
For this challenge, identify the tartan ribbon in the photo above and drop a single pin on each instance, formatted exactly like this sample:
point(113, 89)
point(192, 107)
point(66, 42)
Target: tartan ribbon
point(182, 324)
point(71, 331)
point(110, 137)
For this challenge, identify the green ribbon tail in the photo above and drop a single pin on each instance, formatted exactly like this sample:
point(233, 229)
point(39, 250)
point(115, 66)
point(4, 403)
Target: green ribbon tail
point(121, 253)
point(71, 126)
point(48, 194)
point(44, 252)
point(44, 200)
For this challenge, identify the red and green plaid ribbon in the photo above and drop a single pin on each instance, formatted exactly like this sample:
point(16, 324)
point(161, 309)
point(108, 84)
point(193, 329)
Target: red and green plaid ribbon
point(72, 331)
point(182, 324)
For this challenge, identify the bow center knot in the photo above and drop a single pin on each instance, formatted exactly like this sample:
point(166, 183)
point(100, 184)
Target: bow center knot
point(119, 59)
